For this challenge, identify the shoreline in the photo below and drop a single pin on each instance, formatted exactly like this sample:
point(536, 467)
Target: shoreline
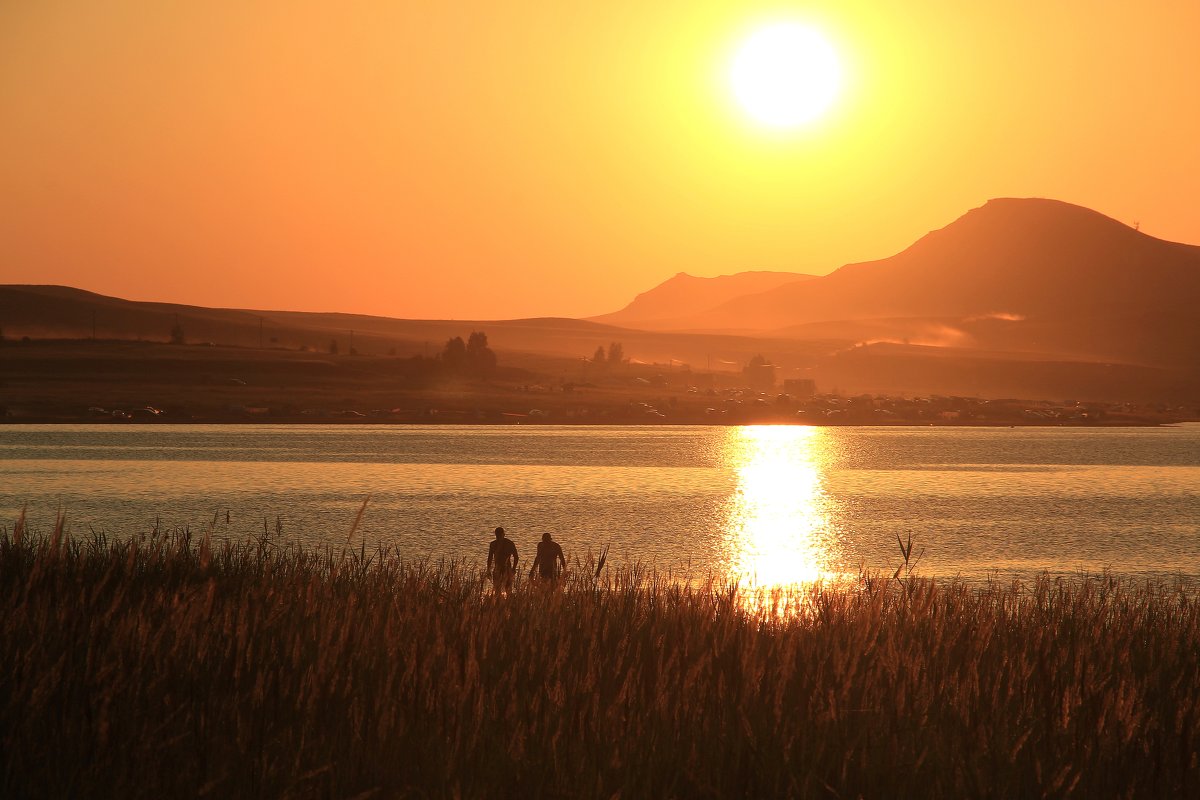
point(303, 422)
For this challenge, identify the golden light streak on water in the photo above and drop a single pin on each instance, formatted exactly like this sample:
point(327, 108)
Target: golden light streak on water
point(778, 532)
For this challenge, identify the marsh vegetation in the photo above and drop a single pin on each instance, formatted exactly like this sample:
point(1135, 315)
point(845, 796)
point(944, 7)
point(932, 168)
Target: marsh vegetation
point(172, 665)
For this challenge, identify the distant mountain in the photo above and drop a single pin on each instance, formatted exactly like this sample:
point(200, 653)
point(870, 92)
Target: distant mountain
point(684, 296)
point(1024, 273)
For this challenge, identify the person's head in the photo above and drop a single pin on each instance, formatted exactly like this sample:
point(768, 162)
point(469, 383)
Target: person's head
point(499, 533)
point(546, 537)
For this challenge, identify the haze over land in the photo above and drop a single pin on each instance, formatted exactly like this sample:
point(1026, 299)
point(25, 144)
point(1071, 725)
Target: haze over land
point(1021, 297)
point(1016, 274)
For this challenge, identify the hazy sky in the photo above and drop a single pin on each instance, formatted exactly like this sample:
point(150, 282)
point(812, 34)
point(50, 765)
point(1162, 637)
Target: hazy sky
point(502, 159)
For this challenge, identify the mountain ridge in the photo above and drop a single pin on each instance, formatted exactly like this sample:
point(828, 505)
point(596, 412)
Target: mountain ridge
point(1060, 277)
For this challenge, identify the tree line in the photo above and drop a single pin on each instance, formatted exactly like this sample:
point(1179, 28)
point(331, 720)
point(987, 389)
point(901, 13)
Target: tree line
point(614, 355)
point(472, 356)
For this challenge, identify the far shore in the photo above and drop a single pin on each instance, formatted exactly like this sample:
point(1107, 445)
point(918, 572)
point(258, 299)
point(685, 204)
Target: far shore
point(452, 420)
point(155, 383)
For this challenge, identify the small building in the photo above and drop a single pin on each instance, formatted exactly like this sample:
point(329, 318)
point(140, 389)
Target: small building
point(800, 388)
point(759, 374)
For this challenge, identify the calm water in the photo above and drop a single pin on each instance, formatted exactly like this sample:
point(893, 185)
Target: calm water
point(772, 504)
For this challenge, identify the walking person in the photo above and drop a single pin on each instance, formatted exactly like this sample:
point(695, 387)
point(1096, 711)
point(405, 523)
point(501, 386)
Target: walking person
point(549, 557)
point(502, 563)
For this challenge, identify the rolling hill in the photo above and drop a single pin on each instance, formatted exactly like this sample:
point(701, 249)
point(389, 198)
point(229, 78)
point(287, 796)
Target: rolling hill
point(66, 312)
point(62, 312)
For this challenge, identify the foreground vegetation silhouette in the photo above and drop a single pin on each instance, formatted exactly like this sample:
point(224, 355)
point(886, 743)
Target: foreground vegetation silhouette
point(175, 666)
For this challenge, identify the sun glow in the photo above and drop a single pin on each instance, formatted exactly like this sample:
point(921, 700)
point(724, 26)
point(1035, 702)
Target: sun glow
point(786, 75)
point(779, 529)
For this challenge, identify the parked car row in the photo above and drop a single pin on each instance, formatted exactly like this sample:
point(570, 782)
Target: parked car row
point(143, 413)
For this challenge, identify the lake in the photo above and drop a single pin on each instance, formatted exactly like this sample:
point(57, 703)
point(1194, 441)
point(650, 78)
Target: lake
point(764, 504)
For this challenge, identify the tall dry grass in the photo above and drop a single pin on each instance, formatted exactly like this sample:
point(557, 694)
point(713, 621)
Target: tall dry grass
point(163, 666)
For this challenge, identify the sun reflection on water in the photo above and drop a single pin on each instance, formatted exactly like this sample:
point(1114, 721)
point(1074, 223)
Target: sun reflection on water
point(779, 531)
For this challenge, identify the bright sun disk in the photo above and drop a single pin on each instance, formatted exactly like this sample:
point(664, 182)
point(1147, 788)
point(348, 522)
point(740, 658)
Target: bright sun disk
point(786, 75)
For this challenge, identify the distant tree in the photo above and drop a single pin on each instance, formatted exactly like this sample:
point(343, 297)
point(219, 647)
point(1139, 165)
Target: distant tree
point(177, 333)
point(333, 347)
point(480, 357)
point(616, 353)
point(598, 356)
point(454, 354)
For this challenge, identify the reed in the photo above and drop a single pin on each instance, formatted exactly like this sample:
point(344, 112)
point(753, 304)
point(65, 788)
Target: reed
point(160, 666)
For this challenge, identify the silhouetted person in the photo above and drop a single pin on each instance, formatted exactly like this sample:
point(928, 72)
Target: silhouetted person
point(502, 562)
point(544, 564)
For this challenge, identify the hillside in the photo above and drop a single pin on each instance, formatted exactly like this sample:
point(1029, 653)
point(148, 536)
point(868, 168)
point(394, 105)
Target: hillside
point(63, 312)
point(686, 295)
point(1019, 273)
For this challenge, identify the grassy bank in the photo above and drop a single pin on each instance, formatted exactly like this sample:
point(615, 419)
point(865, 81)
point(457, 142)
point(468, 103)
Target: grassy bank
point(171, 667)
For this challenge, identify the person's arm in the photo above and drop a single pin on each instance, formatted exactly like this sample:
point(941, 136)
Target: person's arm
point(561, 559)
point(534, 567)
point(491, 555)
point(516, 558)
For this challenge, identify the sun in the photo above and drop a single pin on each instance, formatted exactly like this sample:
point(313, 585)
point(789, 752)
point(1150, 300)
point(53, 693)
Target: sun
point(786, 75)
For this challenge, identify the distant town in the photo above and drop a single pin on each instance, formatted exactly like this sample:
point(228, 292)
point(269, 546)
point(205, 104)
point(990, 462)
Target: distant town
point(140, 382)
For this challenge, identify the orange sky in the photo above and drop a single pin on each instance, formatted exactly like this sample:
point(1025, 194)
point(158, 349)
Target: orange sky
point(502, 159)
